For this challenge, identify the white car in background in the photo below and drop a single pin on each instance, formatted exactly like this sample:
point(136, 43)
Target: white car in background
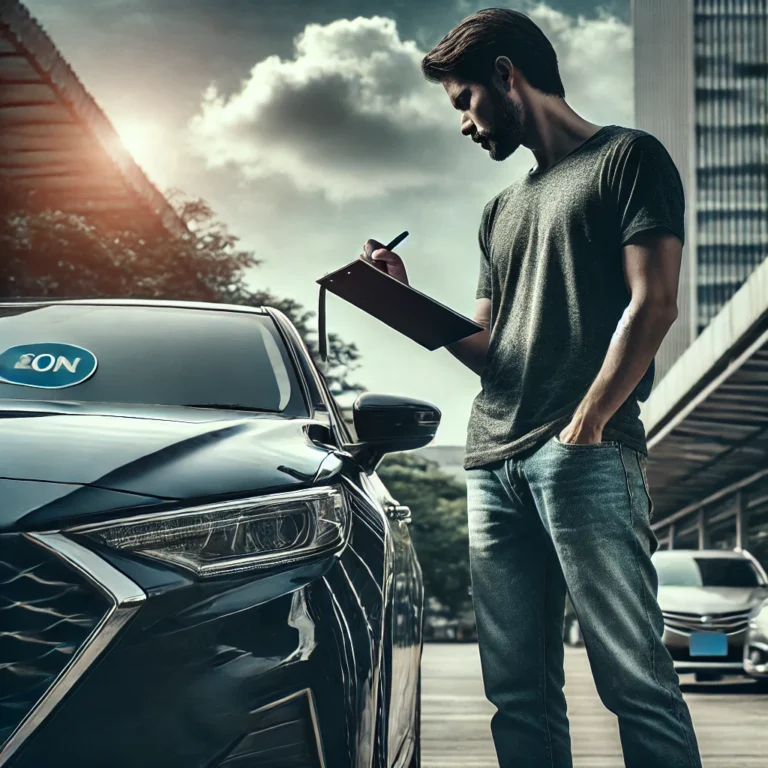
point(715, 607)
point(708, 599)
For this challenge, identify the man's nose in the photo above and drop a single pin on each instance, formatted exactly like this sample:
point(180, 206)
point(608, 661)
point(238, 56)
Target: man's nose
point(467, 126)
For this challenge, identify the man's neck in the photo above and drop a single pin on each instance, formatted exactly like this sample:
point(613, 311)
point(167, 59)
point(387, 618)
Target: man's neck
point(555, 130)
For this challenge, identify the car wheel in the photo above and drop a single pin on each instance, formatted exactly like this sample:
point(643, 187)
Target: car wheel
point(707, 677)
point(416, 759)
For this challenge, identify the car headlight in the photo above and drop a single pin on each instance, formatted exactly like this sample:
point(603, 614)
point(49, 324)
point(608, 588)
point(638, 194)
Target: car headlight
point(234, 536)
point(758, 622)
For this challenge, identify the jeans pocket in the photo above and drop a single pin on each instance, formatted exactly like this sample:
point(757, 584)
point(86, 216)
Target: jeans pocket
point(584, 446)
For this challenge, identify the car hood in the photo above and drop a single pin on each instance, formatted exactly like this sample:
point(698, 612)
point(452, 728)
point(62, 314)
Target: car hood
point(53, 456)
point(704, 600)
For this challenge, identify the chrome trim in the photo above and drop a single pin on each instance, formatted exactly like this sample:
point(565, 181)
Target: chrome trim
point(705, 665)
point(285, 327)
point(398, 512)
point(704, 630)
point(312, 714)
point(331, 465)
point(729, 623)
point(168, 303)
point(126, 597)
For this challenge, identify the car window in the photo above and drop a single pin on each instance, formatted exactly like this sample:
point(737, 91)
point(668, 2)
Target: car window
point(147, 355)
point(705, 572)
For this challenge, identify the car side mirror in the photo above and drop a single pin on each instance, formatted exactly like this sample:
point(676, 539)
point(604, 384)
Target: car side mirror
point(389, 423)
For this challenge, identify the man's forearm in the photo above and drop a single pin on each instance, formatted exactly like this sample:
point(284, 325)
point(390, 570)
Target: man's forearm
point(638, 336)
point(472, 351)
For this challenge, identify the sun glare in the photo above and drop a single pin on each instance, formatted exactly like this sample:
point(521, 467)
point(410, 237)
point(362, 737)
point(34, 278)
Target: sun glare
point(143, 139)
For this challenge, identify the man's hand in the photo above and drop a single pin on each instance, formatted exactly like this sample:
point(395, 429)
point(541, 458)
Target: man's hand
point(386, 261)
point(582, 429)
point(472, 350)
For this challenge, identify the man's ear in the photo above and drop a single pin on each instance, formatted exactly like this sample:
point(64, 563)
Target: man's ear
point(504, 72)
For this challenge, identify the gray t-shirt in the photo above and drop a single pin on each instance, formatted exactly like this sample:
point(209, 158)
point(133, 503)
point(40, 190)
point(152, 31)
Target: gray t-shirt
point(551, 263)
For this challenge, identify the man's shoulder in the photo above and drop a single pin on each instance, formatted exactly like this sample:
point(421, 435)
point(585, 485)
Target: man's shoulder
point(619, 138)
point(498, 200)
point(500, 196)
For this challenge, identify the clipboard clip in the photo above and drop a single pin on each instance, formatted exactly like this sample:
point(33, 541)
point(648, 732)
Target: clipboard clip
point(322, 330)
point(321, 326)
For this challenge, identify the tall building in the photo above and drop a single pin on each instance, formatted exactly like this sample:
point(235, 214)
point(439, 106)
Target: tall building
point(701, 87)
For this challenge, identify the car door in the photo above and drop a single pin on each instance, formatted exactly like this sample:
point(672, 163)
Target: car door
point(402, 646)
point(401, 594)
point(402, 606)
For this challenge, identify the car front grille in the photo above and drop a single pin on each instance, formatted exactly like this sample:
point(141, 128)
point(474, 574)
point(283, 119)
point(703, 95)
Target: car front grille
point(47, 611)
point(730, 623)
point(60, 606)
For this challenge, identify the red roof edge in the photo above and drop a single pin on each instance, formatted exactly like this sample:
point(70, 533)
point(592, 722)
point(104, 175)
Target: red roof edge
point(31, 36)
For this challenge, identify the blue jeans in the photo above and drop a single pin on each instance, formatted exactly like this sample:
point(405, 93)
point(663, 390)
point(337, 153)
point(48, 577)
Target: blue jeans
point(573, 517)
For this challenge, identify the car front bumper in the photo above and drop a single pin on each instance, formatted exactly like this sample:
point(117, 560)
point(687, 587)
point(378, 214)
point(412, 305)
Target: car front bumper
point(678, 645)
point(112, 661)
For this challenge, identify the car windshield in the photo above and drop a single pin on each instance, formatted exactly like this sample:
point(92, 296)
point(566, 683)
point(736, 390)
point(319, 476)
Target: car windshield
point(160, 355)
point(705, 572)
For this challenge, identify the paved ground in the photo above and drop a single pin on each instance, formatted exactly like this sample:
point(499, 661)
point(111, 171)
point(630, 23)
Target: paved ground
point(730, 718)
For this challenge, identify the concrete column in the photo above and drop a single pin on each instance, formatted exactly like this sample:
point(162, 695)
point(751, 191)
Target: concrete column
point(671, 542)
point(702, 528)
point(739, 502)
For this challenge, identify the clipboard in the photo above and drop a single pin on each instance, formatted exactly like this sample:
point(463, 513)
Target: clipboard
point(401, 307)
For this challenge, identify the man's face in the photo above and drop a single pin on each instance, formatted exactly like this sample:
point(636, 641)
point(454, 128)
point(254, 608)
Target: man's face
point(492, 118)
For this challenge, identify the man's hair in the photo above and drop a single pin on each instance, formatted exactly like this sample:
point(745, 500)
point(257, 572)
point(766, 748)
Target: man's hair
point(469, 51)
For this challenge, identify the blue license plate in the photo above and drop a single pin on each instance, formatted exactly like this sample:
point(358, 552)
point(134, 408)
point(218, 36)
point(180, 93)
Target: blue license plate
point(709, 644)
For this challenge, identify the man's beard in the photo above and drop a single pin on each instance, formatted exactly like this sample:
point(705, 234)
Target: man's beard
point(506, 133)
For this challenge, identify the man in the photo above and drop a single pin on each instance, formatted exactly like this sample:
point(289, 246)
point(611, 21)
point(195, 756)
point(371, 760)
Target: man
point(579, 268)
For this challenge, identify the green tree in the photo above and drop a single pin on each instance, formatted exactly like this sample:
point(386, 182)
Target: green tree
point(439, 528)
point(51, 254)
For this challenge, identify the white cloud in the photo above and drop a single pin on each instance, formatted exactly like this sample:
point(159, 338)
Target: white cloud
point(350, 115)
point(595, 60)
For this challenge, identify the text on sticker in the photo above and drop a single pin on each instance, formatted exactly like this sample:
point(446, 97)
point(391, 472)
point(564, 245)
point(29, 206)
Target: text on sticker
point(46, 362)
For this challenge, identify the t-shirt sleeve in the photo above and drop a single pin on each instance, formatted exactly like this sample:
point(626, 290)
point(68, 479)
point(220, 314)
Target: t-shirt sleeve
point(648, 190)
point(484, 278)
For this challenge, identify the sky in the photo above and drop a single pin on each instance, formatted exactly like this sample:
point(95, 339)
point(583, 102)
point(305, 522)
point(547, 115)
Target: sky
point(309, 128)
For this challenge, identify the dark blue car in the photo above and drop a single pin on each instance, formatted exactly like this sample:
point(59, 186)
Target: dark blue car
point(199, 566)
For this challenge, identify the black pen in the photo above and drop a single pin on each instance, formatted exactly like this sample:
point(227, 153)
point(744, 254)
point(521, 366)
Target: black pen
point(383, 267)
point(399, 239)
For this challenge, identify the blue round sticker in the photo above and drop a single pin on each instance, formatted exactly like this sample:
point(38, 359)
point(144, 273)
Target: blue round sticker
point(47, 365)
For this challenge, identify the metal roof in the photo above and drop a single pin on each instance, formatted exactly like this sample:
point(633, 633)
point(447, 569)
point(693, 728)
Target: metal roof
point(57, 148)
point(707, 420)
point(687, 554)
